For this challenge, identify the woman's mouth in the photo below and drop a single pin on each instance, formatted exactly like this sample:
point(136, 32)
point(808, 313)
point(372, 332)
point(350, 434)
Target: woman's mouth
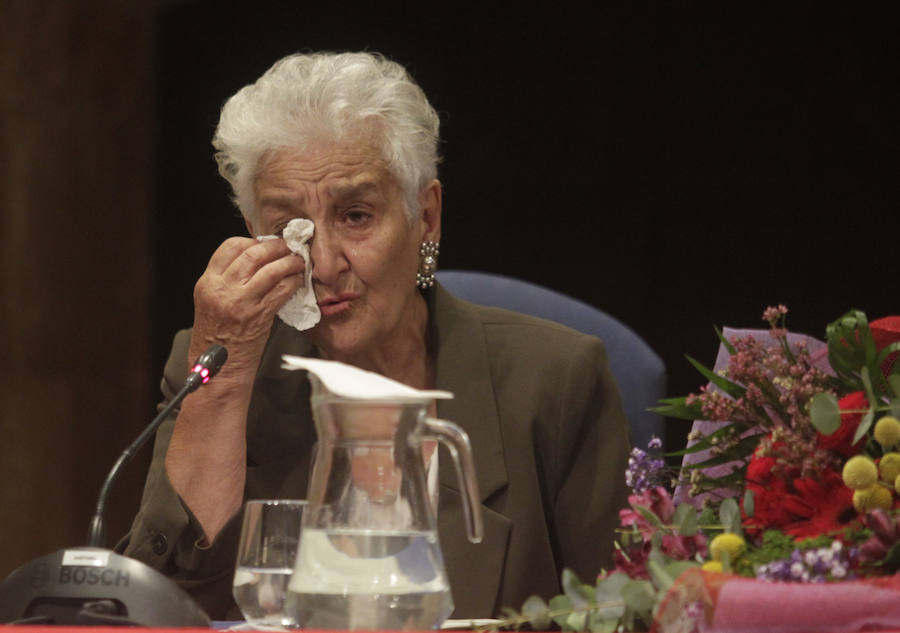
point(332, 306)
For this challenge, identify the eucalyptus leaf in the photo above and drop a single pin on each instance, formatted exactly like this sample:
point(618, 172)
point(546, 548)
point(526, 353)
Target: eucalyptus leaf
point(660, 576)
point(608, 595)
point(685, 519)
point(825, 413)
point(576, 621)
point(536, 610)
point(577, 593)
point(561, 605)
point(598, 624)
point(640, 597)
point(678, 567)
point(730, 516)
point(749, 501)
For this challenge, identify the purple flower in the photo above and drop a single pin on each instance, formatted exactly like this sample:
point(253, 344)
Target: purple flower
point(646, 470)
point(815, 565)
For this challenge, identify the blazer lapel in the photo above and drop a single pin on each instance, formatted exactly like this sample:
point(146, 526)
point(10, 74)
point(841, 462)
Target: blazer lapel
point(463, 368)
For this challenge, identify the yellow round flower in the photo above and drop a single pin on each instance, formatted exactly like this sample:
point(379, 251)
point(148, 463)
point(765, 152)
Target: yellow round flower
point(889, 467)
point(876, 496)
point(860, 472)
point(897, 484)
point(712, 565)
point(731, 543)
point(887, 431)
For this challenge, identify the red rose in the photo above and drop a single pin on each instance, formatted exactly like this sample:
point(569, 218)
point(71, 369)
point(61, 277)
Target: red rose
point(884, 332)
point(840, 440)
point(769, 495)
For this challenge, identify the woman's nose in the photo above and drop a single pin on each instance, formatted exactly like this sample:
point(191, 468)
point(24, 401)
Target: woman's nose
point(327, 258)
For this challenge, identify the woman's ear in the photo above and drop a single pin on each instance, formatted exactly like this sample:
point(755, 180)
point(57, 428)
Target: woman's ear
point(430, 205)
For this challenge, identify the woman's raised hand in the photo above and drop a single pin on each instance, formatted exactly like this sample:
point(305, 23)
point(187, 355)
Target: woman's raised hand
point(236, 299)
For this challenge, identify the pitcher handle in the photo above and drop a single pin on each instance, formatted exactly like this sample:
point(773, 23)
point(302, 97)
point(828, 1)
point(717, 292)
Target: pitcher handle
point(457, 442)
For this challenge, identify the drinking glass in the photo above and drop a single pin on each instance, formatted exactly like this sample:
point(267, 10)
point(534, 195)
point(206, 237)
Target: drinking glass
point(266, 553)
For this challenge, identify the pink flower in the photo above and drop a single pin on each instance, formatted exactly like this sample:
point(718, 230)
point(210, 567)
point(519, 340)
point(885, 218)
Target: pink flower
point(657, 500)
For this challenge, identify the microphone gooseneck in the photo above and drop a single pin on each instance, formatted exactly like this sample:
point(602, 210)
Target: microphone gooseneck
point(206, 367)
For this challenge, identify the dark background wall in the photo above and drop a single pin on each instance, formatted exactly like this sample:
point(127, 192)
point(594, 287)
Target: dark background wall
point(678, 165)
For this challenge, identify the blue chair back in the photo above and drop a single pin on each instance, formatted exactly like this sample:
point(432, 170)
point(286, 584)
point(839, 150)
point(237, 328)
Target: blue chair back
point(638, 370)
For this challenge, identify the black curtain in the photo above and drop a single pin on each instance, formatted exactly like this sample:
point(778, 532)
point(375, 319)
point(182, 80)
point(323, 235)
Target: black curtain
point(679, 166)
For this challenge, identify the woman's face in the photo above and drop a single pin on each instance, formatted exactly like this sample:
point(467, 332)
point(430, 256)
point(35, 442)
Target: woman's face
point(364, 252)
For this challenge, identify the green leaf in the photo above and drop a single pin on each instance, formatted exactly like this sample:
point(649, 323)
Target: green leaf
point(576, 621)
point(685, 519)
point(825, 413)
point(678, 408)
point(730, 516)
point(536, 610)
point(748, 502)
point(640, 597)
point(597, 624)
point(660, 576)
point(578, 594)
point(707, 516)
point(891, 561)
point(731, 388)
point(894, 380)
point(864, 425)
point(725, 342)
point(609, 592)
point(561, 604)
point(704, 442)
point(649, 515)
point(678, 567)
point(740, 451)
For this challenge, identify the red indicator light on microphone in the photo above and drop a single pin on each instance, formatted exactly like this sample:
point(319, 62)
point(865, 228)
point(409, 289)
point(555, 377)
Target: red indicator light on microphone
point(203, 371)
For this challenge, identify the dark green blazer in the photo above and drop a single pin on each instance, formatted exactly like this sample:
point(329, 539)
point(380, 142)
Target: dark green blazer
point(549, 437)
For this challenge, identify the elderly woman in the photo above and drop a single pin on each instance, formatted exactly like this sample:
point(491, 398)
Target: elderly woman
point(349, 141)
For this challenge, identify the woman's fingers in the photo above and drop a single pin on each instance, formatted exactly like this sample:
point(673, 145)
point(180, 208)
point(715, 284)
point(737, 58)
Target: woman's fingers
point(245, 284)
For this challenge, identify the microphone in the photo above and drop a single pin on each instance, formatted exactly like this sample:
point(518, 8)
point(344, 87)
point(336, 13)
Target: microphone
point(207, 366)
point(95, 586)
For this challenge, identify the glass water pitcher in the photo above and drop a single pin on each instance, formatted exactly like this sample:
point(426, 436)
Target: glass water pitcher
point(369, 556)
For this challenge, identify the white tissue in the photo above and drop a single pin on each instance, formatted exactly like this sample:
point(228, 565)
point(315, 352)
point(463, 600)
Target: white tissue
point(347, 381)
point(301, 310)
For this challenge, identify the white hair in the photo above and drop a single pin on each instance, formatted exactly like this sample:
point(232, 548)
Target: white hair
point(329, 96)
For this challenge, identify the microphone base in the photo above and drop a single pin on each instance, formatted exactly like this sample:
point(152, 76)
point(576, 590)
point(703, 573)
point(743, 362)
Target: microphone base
point(90, 585)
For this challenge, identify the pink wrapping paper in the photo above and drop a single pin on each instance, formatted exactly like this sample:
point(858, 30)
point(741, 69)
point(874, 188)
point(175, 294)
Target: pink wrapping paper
point(818, 352)
point(710, 602)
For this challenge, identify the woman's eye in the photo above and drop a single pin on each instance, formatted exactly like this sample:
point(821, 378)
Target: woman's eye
point(356, 217)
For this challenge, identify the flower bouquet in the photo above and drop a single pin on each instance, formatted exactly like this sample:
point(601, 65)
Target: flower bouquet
point(782, 514)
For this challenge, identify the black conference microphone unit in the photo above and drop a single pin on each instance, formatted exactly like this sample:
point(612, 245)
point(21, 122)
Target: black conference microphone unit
point(95, 586)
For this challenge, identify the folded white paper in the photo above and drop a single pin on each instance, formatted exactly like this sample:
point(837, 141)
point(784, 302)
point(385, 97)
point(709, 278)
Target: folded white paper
point(347, 381)
point(301, 310)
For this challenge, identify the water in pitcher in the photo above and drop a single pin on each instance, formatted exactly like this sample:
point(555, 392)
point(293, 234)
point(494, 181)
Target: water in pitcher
point(369, 579)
